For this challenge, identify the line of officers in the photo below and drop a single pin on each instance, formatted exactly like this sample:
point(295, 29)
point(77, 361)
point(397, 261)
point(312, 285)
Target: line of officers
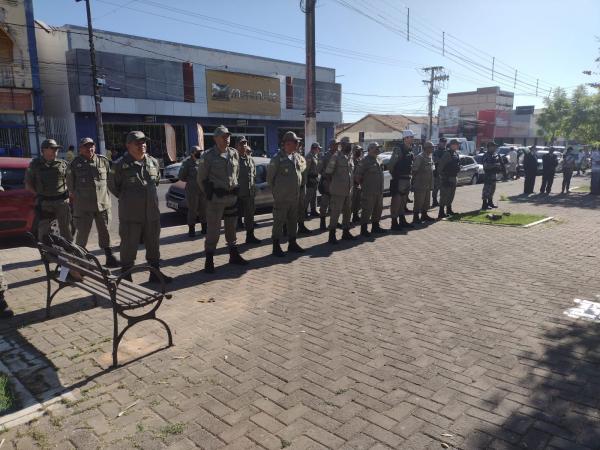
point(221, 185)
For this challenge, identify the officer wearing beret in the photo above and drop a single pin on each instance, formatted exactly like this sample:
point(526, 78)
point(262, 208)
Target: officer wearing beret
point(340, 174)
point(218, 176)
point(247, 193)
point(284, 175)
point(46, 177)
point(134, 180)
point(193, 194)
point(400, 167)
point(492, 166)
point(369, 175)
point(87, 177)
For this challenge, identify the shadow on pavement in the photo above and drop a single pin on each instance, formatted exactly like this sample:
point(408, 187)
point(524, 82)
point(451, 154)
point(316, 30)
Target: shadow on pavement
point(572, 200)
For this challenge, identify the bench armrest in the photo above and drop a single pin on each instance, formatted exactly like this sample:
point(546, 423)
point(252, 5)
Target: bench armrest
point(146, 268)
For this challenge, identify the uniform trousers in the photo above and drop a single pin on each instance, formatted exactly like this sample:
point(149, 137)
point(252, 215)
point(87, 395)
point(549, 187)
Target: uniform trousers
point(132, 233)
point(371, 206)
point(285, 213)
point(340, 204)
point(83, 224)
point(217, 209)
point(55, 209)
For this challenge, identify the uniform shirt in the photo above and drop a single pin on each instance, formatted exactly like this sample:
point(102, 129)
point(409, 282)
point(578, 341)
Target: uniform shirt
point(302, 162)
point(284, 175)
point(340, 169)
point(323, 161)
point(247, 180)
point(570, 162)
point(492, 164)
point(87, 180)
point(189, 172)
point(370, 175)
point(135, 183)
point(312, 170)
point(422, 171)
point(549, 162)
point(48, 178)
point(222, 170)
point(449, 164)
point(530, 163)
point(401, 162)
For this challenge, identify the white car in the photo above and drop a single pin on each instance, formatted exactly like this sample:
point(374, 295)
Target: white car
point(171, 172)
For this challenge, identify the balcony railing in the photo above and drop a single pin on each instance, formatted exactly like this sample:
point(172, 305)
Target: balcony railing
point(7, 77)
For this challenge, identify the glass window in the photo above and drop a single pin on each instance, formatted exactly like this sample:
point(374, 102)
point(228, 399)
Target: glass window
point(261, 173)
point(13, 179)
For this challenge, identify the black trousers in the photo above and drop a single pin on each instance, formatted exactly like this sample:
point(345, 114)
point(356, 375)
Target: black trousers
point(566, 184)
point(547, 180)
point(529, 183)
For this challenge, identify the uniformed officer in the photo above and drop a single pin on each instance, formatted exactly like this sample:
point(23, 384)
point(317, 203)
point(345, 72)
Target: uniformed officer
point(492, 165)
point(284, 175)
point(302, 196)
point(312, 179)
point(87, 177)
point(357, 156)
point(437, 155)
point(448, 168)
point(134, 179)
point(340, 174)
point(369, 175)
point(549, 163)
point(422, 173)
point(324, 181)
point(400, 167)
point(218, 177)
point(247, 184)
point(46, 177)
point(195, 197)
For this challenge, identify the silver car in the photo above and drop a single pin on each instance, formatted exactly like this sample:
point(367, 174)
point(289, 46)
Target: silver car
point(171, 172)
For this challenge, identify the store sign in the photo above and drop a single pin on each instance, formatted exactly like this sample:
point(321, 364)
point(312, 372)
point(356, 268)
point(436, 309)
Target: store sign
point(238, 93)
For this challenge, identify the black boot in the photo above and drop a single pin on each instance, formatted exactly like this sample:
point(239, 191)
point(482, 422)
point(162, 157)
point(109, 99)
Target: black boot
point(364, 230)
point(395, 224)
point(277, 251)
point(491, 204)
point(376, 228)
point(125, 269)
point(426, 217)
point(203, 227)
point(332, 238)
point(302, 229)
point(346, 235)
point(449, 211)
point(441, 214)
point(209, 263)
point(250, 238)
point(285, 229)
point(402, 221)
point(416, 218)
point(191, 230)
point(111, 261)
point(156, 279)
point(236, 258)
point(5, 311)
point(434, 201)
point(293, 246)
point(240, 224)
point(484, 205)
point(322, 225)
point(355, 218)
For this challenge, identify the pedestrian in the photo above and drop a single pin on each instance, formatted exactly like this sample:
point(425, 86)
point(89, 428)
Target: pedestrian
point(357, 156)
point(422, 176)
point(530, 166)
point(568, 167)
point(134, 181)
point(513, 164)
point(87, 182)
point(400, 167)
point(284, 175)
point(369, 175)
point(302, 194)
point(46, 177)
point(218, 175)
point(448, 167)
point(196, 201)
point(247, 189)
point(340, 174)
point(324, 181)
point(549, 163)
point(312, 179)
point(70, 155)
point(492, 166)
point(437, 155)
point(5, 311)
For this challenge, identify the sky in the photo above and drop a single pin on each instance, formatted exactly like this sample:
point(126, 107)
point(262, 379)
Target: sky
point(547, 42)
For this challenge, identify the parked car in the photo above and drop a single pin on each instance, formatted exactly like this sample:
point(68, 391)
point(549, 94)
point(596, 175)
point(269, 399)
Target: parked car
point(385, 159)
point(16, 203)
point(469, 170)
point(176, 199)
point(171, 172)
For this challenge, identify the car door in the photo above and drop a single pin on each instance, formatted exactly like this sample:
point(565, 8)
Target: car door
point(264, 196)
point(461, 177)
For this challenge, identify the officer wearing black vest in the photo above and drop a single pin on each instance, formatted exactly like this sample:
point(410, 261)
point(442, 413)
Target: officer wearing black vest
point(448, 169)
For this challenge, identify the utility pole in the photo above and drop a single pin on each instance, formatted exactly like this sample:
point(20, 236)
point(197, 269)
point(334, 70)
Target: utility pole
point(310, 115)
point(95, 82)
point(436, 75)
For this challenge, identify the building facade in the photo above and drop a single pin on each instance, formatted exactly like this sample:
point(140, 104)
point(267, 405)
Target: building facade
point(176, 92)
point(20, 100)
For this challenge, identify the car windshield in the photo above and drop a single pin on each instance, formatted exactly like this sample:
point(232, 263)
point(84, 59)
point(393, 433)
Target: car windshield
point(13, 178)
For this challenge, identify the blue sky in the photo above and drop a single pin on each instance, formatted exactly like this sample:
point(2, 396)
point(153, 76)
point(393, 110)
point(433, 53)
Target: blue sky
point(365, 41)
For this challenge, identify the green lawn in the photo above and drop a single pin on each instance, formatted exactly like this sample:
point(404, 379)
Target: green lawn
point(584, 188)
point(7, 398)
point(481, 217)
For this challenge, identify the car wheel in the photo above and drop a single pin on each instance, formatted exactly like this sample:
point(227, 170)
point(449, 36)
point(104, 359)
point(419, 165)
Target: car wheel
point(474, 179)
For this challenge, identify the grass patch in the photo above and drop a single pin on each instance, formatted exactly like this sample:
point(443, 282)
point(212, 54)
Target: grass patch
point(171, 429)
point(7, 397)
point(584, 188)
point(285, 443)
point(511, 220)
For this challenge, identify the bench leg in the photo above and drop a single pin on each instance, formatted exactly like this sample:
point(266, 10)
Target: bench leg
point(48, 296)
point(164, 324)
point(116, 338)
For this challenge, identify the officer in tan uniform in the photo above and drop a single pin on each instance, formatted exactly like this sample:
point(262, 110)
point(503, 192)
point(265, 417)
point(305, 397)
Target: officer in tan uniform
point(218, 176)
point(312, 179)
point(357, 156)
point(193, 194)
point(400, 166)
point(46, 177)
point(87, 177)
point(448, 169)
point(247, 193)
point(422, 173)
point(324, 182)
point(134, 179)
point(302, 196)
point(340, 172)
point(369, 175)
point(284, 175)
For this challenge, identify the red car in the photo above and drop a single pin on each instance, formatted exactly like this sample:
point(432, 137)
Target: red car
point(16, 203)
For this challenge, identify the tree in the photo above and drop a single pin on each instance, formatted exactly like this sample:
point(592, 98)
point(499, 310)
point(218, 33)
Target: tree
point(554, 119)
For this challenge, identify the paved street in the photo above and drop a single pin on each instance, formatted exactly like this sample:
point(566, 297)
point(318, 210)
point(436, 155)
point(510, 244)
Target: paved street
point(449, 336)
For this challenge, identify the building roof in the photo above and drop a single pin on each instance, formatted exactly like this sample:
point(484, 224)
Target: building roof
point(398, 122)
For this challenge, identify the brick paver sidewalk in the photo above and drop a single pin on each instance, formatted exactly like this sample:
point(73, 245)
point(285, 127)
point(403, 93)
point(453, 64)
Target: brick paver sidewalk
point(451, 335)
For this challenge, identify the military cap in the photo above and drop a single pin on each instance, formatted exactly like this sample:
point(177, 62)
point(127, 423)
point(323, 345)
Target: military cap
point(333, 141)
point(242, 139)
point(491, 144)
point(196, 148)
point(454, 141)
point(134, 136)
point(407, 133)
point(50, 143)
point(443, 139)
point(221, 130)
point(290, 136)
point(373, 145)
point(428, 144)
point(315, 145)
point(345, 140)
point(85, 140)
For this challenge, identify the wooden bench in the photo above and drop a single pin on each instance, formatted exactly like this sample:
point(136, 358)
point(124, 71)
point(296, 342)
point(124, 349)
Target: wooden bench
point(86, 273)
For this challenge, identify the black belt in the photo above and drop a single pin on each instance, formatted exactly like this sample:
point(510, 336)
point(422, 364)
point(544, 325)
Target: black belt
point(50, 198)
